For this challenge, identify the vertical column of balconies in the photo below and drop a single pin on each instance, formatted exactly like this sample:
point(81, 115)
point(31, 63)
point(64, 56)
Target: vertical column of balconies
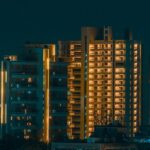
point(119, 82)
point(100, 84)
point(107, 84)
point(91, 88)
point(74, 92)
point(135, 87)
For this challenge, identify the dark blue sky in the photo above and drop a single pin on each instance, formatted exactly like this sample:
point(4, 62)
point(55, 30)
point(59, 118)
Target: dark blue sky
point(51, 20)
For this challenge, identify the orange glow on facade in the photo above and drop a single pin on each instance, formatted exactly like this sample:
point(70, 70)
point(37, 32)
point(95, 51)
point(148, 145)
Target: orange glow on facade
point(2, 94)
point(105, 84)
point(48, 57)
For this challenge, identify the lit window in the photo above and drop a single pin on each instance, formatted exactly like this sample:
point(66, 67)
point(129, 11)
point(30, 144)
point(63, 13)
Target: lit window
point(91, 123)
point(99, 46)
point(135, 94)
point(91, 88)
point(135, 88)
point(119, 58)
point(135, 64)
point(91, 105)
point(99, 94)
point(135, 52)
point(135, 99)
point(91, 117)
point(109, 46)
point(135, 112)
point(91, 53)
point(135, 117)
point(118, 100)
point(29, 80)
point(91, 82)
point(91, 64)
point(135, 106)
point(71, 46)
point(91, 70)
point(118, 76)
point(117, 112)
point(117, 45)
point(117, 106)
point(91, 111)
point(135, 46)
point(91, 46)
point(135, 58)
point(135, 82)
point(120, 70)
point(91, 59)
point(135, 130)
point(91, 129)
point(135, 70)
point(119, 52)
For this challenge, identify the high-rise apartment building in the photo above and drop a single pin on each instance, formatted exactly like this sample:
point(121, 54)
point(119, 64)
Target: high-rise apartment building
point(25, 93)
point(104, 82)
point(21, 98)
point(97, 79)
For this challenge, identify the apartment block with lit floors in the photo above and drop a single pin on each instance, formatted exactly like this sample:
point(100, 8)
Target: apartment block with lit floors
point(104, 82)
point(75, 115)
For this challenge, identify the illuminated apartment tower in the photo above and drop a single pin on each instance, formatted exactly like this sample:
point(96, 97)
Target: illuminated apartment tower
point(104, 82)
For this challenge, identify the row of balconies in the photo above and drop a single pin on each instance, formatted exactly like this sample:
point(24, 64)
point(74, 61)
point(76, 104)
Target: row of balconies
point(100, 64)
point(74, 107)
point(107, 53)
point(107, 106)
point(74, 102)
point(100, 81)
point(106, 89)
point(72, 113)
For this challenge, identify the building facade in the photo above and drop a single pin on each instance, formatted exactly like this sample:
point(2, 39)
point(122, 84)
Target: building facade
point(104, 82)
point(58, 96)
point(21, 99)
point(25, 93)
point(95, 81)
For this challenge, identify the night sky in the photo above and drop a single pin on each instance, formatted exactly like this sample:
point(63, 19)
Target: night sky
point(52, 20)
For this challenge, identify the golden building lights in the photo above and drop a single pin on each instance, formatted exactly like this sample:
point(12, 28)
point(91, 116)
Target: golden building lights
point(49, 55)
point(103, 83)
point(109, 86)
